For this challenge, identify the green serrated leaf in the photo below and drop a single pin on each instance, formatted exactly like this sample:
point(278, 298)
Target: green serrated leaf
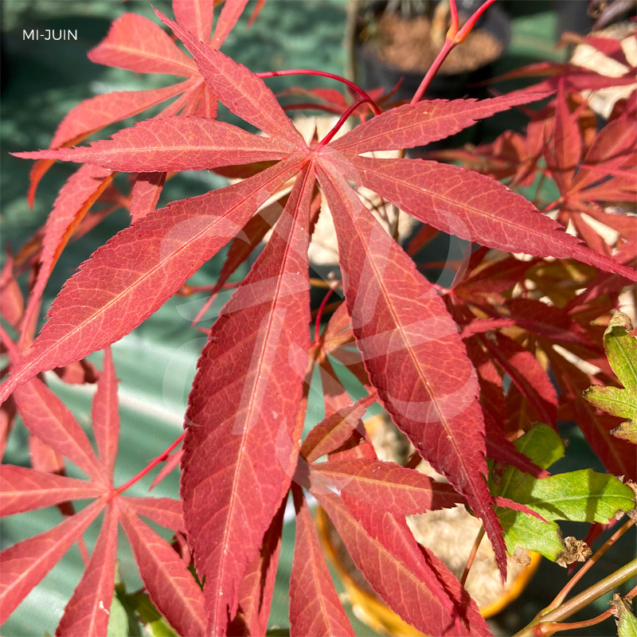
point(621, 350)
point(579, 496)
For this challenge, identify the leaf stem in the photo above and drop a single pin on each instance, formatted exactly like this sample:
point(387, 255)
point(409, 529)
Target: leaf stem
point(561, 596)
point(549, 629)
point(454, 37)
point(319, 314)
point(472, 556)
point(150, 466)
point(344, 117)
point(538, 627)
point(377, 110)
point(433, 69)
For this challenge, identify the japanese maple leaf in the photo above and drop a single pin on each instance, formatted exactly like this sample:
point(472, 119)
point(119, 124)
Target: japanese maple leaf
point(245, 411)
point(168, 582)
point(137, 44)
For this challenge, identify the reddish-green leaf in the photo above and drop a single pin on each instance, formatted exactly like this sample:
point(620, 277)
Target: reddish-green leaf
point(243, 409)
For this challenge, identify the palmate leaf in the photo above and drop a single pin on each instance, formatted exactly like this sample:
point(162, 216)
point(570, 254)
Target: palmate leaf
point(137, 44)
point(167, 579)
point(621, 349)
point(617, 455)
point(164, 250)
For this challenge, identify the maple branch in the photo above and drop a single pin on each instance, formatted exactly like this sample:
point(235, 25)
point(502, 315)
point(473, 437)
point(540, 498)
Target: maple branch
point(574, 625)
point(538, 628)
point(561, 596)
point(453, 38)
point(549, 629)
point(377, 110)
point(150, 466)
point(344, 117)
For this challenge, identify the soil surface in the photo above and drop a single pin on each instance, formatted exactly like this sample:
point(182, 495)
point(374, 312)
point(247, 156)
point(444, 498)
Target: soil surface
point(407, 45)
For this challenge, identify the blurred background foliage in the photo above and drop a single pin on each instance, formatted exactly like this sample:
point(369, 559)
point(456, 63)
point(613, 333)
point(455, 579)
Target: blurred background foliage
point(41, 82)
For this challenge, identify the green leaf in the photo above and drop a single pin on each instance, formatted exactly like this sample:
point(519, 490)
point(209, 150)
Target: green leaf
point(626, 621)
point(118, 620)
point(154, 624)
point(541, 445)
point(621, 350)
point(524, 531)
point(578, 496)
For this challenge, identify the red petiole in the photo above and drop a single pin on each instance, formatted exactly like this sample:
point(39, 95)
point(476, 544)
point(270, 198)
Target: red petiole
point(357, 89)
point(150, 466)
point(454, 37)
